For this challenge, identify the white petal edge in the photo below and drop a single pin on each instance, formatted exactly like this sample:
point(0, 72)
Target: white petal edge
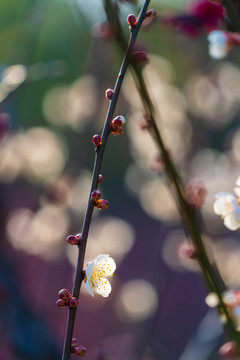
point(238, 181)
point(103, 288)
point(231, 223)
point(237, 191)
point(100, 258)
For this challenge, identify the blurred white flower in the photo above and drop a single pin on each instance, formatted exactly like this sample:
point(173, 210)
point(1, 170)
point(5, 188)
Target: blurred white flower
point(218, 44)
point(97, 272)
point(231, 298)
point(227, 206)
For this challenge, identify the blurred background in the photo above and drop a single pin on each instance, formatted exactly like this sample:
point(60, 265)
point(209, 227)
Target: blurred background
point(55, 64)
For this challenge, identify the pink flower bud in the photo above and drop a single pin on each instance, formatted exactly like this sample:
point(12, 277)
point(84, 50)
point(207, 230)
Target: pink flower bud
point(102, 204)
point(196, 193)
point(132, 21)
point(100, 179)
point(79, 350)
point(73, 302)
point(140, 56)
point(61, 303)
point(95, 195)
point(64, 295)
point(229, 350)
point(104, 30)
point(97, 140)
point(109, 94)
point(187, 251)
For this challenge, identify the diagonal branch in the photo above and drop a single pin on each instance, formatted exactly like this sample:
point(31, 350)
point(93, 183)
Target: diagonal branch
point(96, 171)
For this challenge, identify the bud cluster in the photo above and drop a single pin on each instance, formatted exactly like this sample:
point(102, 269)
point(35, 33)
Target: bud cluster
point(97, 201)
point(66, 299)
point(117, 125)
point(76, 349)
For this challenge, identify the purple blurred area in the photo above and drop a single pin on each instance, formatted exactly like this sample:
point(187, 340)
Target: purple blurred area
point(54, 69)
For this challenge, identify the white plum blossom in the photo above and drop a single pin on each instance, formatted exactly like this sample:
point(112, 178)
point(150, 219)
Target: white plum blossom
point(96, 275)
point(218, 44)
point(227, 206)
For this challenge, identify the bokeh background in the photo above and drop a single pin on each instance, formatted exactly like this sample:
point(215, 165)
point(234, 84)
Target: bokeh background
point(55, 66)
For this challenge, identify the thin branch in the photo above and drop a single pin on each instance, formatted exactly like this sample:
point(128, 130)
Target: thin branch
point(96, 171)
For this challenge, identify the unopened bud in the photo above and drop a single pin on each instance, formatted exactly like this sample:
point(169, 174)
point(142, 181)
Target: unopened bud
point(117, 122)
point(79, 350)
point(187, 251)
point(140, 56)
point(100, 179)
point(132, 21)
point(72, 240)
point(64, 295)
point(196, 193)
point(73, 302)
point(95, 195)
point(97, 140)
point(102, 204)
point(229, 350)
point(61, 303)
point(151, 13)
point(109, 94)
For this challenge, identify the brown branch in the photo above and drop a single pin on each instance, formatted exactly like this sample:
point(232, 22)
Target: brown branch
point(96, 171)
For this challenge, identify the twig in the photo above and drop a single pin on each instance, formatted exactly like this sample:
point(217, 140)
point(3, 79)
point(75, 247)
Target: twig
point(96, 171)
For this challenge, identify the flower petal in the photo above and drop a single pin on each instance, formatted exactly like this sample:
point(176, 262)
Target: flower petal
point(100, 258)
point(89, 288)
point(232, 221)
point(103, 288)
point(237, 191)
point(238, 181)
point(108, 266)
point(222, 193)
point(225, 204)
point(89, 270)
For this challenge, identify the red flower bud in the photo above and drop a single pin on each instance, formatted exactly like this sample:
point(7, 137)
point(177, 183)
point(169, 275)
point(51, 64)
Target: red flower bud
point(64, 295)
point(79, 350)
point(102, 204)
point(151, 13)
point(117, 122)
point(196, 193)
point(100, 179)
point(132, 21)
point(72, 240)
point(97, 140)
point(109, 94)
point(95, 195)
point(73, 302)
point(61, 303)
